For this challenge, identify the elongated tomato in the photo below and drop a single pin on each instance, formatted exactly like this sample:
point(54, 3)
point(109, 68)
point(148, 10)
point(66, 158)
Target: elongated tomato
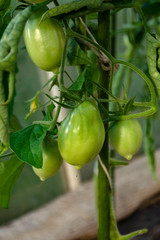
point(44, 41)
point(81, 135)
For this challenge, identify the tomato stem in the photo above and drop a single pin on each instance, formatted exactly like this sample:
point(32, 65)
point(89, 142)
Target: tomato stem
point(61, 83)
point(103, 183)
point(7, 155)
point(139, 9)
point(152, 105)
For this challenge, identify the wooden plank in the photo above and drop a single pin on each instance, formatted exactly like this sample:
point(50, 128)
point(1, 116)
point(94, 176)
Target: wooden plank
point(73, 216)
point(134, 185)
point(58, 220)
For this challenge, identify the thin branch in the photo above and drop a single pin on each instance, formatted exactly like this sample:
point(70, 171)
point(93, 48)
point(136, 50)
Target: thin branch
point(103, 58)
point(87, 29)
point(106, 172)
point(7, 155)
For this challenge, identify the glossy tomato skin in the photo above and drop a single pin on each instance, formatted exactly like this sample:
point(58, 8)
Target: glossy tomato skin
point(126, 137)
point(81, 135)
point(52, 159)
point(44, 41)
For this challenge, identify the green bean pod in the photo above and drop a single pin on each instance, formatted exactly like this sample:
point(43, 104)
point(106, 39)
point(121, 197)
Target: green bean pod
point(4, 136)
point(10, 39)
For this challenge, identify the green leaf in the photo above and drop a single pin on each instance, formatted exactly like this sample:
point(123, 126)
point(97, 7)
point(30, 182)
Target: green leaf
point(69, 6)
point(52, 80)
point(149, 147)
point(9, 172)
point(76, 56)
point(27, 144)
point(49, 115)
point(69, 96)
point(125, 97)
point(128, 106)
point(77, 85)
point(92, 16)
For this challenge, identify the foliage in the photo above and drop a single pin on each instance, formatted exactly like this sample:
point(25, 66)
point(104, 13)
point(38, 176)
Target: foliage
point(101, 95)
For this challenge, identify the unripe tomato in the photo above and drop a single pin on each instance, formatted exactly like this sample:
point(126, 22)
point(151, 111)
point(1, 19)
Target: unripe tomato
point(126, 137)
point(81, 134)
point(44, 41)
point(52, 159)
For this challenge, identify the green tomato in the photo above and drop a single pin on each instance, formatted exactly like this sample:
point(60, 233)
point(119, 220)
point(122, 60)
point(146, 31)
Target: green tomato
point(81, 135)
point(52, 159)
point(44, 41)
point(126, 137)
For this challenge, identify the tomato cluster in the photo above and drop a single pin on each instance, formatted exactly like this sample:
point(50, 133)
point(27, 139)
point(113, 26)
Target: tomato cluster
point(81, 134)
point(80, 139)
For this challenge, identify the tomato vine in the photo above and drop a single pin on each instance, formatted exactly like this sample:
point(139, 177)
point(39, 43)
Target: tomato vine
point(97, 109)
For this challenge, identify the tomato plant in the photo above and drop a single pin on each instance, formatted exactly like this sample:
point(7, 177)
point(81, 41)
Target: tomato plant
point(44, 41)
point(126, 137)
point(77, 34)
point(52, 159)
point(81, 134)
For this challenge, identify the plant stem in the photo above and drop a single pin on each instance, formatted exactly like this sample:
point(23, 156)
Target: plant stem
point(61, 82)
point(144, 76)
point(72, 33)
point(114, 61)
point(103, 184)
point(139, 9)
point(7, 155)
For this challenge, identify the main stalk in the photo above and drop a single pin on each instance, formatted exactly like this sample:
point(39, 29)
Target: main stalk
point(103, 184)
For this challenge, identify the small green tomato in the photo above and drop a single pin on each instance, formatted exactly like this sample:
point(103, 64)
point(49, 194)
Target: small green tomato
point(126, 137)
point(52, 159)
point(44, 41)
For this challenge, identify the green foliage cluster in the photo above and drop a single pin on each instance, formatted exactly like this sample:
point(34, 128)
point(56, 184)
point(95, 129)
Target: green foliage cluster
point(103, 85)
